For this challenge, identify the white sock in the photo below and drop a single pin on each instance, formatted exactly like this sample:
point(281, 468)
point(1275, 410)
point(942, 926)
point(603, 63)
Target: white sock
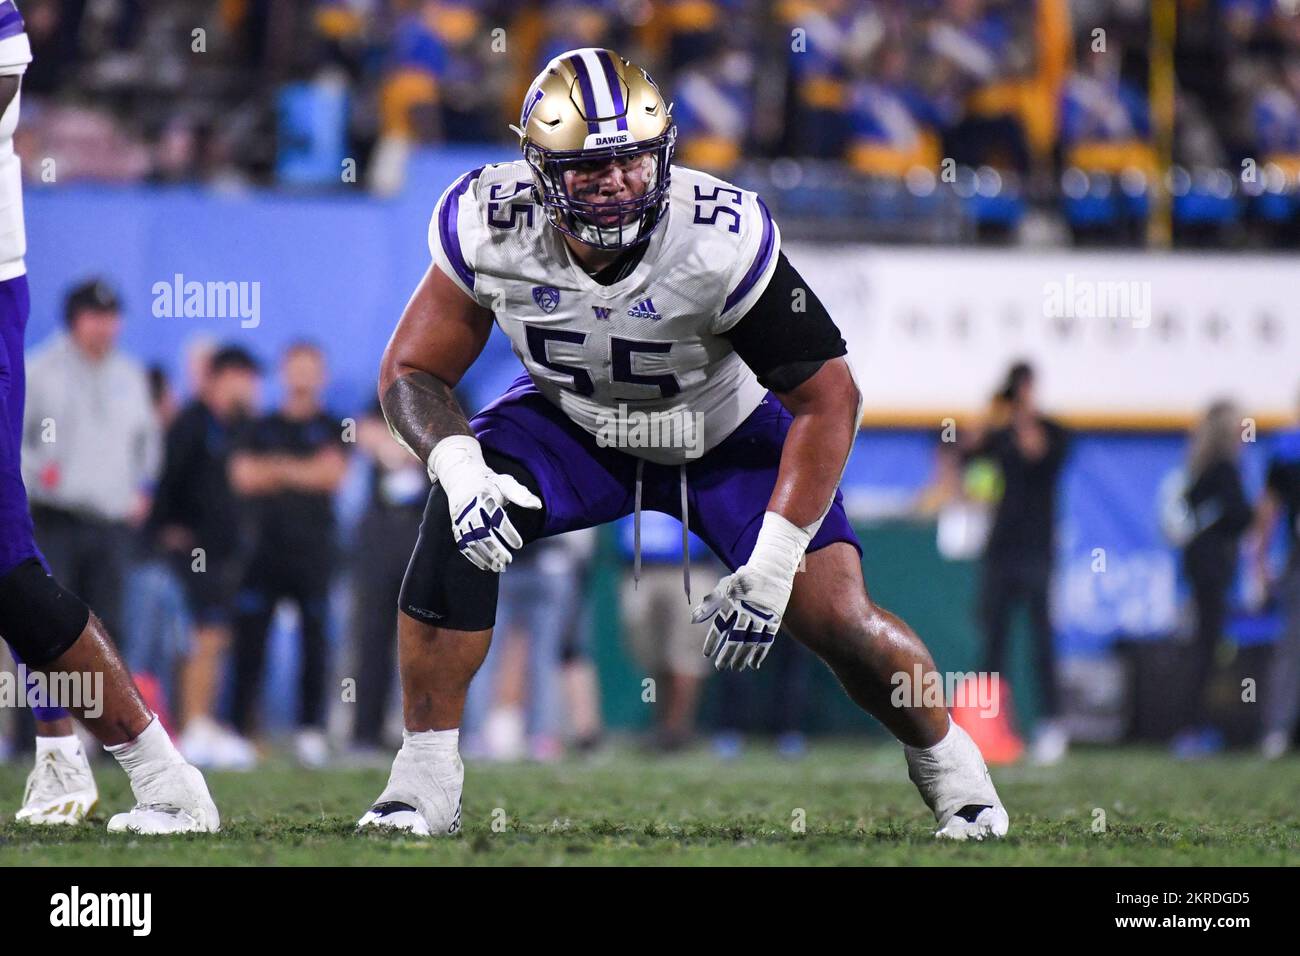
point(69, 746)
point(950, 774)
point(428, 773)
point(151, 751)
point(432, 743)
point(936, 750)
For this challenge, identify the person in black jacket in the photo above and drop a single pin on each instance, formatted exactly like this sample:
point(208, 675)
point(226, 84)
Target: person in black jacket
point(1217, 516)
point(286, 467)
point(1030, 452)
point(195, 522)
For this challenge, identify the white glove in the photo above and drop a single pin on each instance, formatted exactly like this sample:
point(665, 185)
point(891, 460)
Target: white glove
point(476, 496)
point(747, 606)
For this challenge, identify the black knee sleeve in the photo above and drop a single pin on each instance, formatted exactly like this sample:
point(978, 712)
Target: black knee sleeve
point(38, 616)
point(441, 587)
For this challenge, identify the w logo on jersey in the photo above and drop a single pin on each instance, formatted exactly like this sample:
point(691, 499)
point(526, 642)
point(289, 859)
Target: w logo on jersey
point(601, 312)
point(645, 309)
point(547, 297)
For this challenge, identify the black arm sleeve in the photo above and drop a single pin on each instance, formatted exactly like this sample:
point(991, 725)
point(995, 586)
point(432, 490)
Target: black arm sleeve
point(788, 334)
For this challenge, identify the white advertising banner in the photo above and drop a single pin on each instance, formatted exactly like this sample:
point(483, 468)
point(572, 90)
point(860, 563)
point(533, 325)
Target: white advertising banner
point(1118, 338)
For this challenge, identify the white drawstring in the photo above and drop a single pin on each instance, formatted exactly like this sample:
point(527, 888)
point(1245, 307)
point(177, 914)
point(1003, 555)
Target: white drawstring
point(636, 527)
point(636, 530)
point(686, 543)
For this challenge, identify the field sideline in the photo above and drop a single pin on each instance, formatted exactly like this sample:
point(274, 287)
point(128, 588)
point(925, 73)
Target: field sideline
point(624, 808)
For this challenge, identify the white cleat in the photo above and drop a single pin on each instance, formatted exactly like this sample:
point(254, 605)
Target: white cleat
point(175, 801)
point(395, 815)
point(60, 790)
point(955, 783)
point(422, 796)
point(975, 823)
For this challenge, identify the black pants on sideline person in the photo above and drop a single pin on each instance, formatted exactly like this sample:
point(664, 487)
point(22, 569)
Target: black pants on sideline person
point(1006, 584)
point(305, 580)
point(385, 539)
point(1211, 587)
point(89, 557)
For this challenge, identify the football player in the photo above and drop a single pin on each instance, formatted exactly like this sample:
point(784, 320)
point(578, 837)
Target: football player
point(634, 291)
point(45, 625)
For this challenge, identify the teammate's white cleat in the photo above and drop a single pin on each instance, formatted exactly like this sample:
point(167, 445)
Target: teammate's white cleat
point(424, 787)
point(175, 800)
point(61, 787)
point(956, 785)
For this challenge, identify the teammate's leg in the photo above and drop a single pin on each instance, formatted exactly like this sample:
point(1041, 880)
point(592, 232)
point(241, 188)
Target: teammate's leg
point(55, 632)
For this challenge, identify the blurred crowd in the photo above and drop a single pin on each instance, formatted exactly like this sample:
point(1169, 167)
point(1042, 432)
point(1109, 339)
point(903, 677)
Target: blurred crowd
point(1040, 102)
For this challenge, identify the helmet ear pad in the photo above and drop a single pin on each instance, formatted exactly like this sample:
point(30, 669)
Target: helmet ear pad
point(637, 217)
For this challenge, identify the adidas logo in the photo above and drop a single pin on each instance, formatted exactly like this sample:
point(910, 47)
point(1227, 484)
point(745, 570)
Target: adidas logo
point(645, 309)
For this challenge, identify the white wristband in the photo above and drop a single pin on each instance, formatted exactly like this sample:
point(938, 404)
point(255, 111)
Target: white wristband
point(451, 455)
point(779, 548)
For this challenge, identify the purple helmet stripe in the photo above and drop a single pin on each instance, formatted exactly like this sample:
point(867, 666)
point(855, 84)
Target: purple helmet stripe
point(447, 228)
point(616, 91)
point(588, 94)
point(759, 264)
point(529, 106)
point(11, 21)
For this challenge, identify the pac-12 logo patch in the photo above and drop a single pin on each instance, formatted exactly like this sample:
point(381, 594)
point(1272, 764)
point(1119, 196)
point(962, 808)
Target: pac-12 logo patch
point(547, 297)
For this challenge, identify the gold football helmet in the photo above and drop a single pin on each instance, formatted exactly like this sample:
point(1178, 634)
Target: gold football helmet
point(586, 110)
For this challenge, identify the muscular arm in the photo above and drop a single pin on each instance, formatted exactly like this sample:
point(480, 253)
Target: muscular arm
point(825, 409)
point(792, 344)
point(441, 333)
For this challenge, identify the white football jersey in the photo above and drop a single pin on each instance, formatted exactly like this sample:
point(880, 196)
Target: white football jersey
point(15, 54)
point(646, 351)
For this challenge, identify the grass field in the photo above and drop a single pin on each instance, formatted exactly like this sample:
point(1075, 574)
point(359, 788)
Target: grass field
point(628, 809)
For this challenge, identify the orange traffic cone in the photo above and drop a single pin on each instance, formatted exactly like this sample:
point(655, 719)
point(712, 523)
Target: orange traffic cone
point(989, 722)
